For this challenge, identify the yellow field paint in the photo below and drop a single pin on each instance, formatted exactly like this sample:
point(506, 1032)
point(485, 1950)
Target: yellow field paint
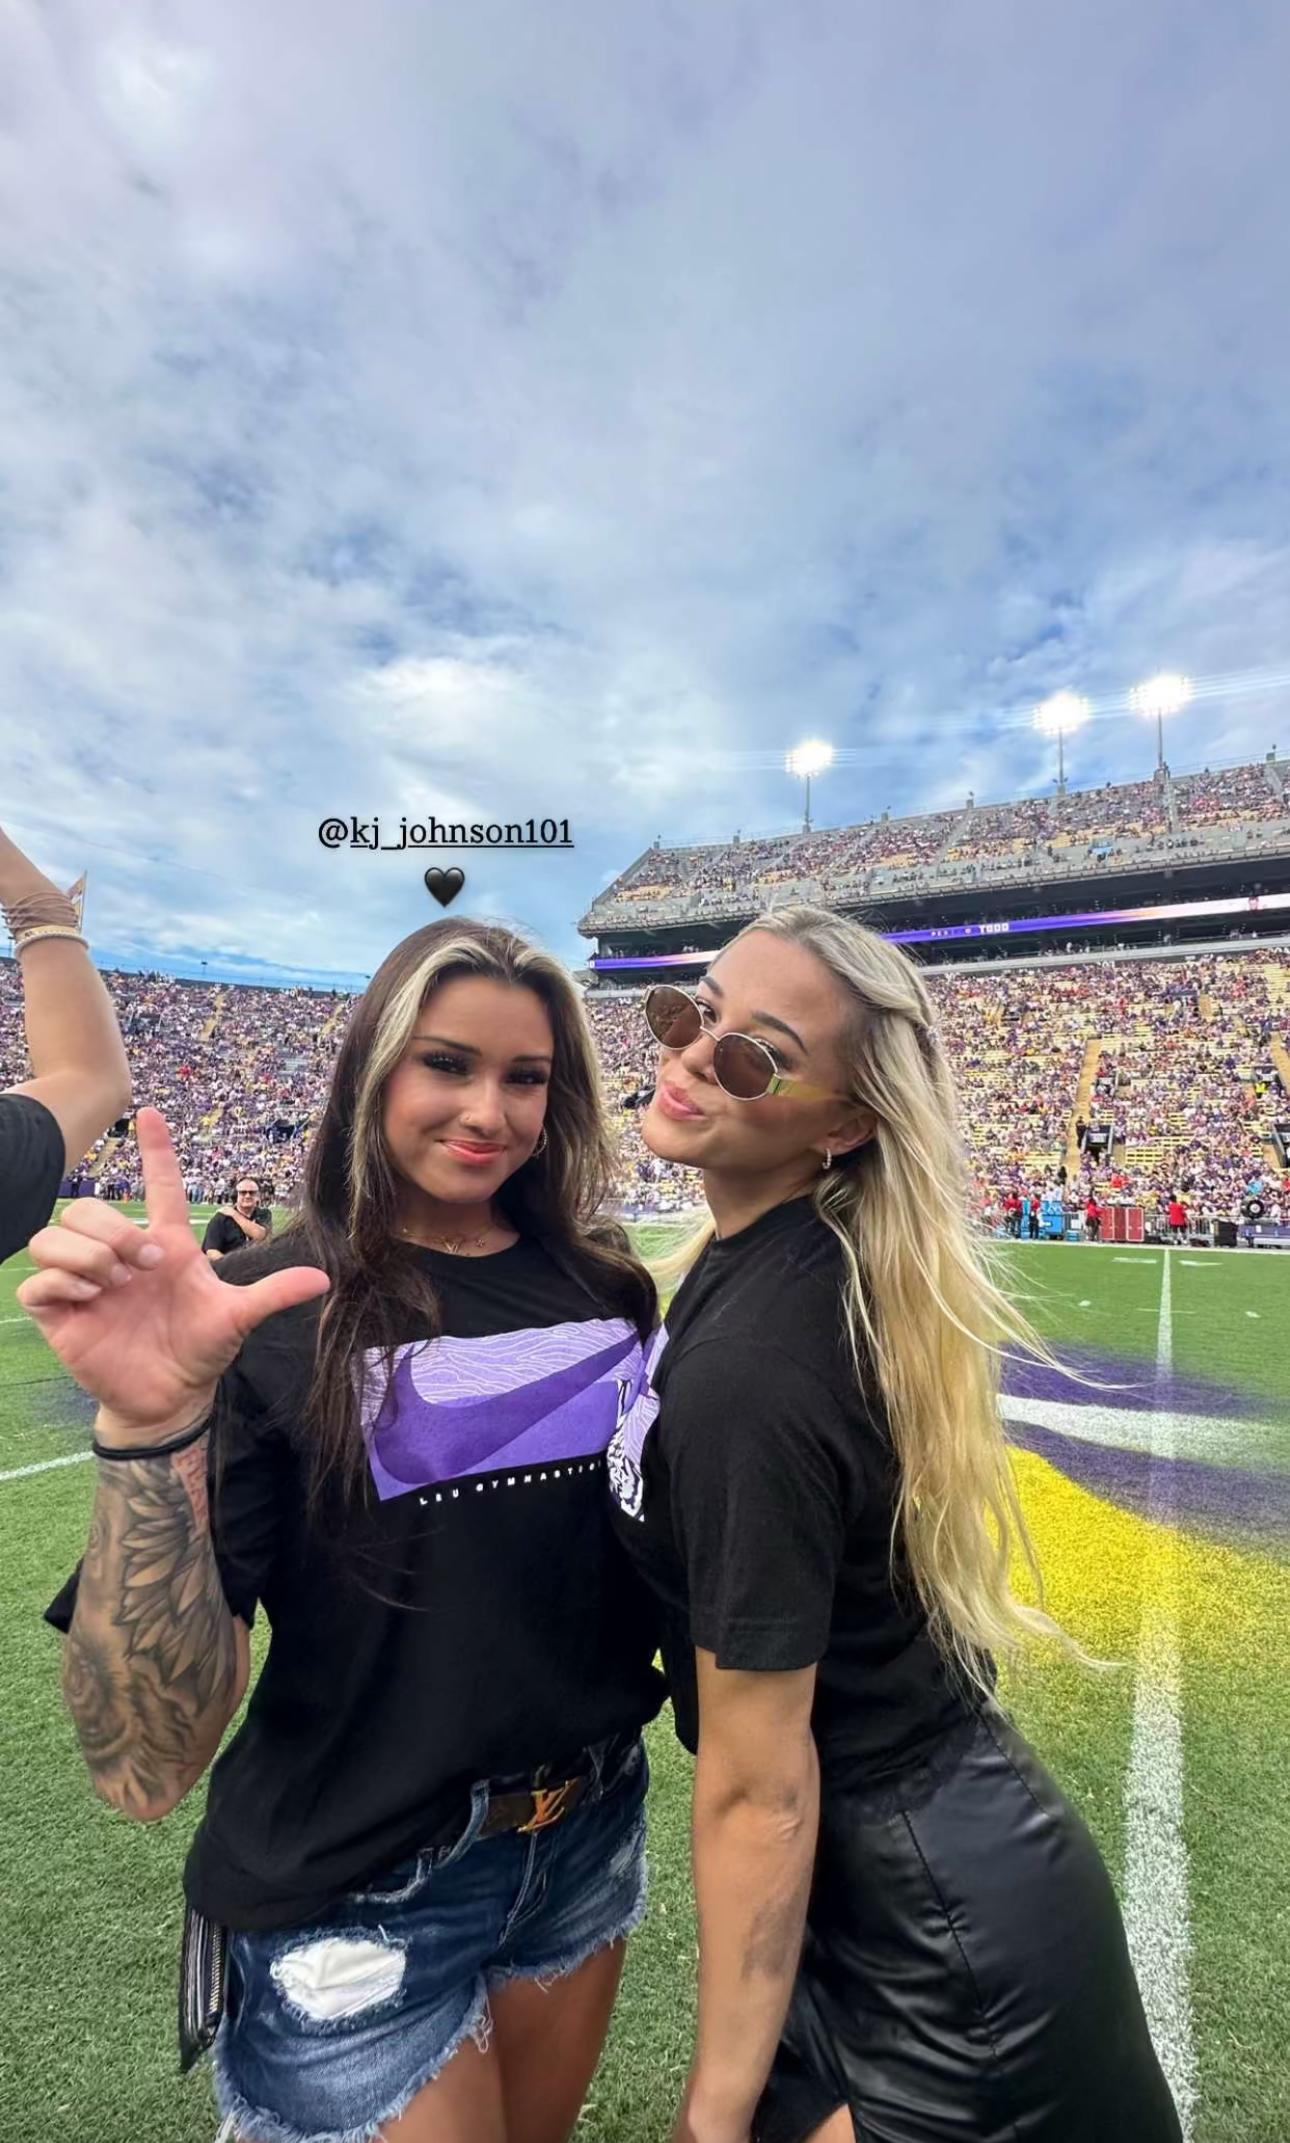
point(1232, 1604)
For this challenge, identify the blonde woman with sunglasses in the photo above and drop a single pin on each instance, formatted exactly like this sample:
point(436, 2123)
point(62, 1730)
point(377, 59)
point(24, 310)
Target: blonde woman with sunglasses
point(906, 1932)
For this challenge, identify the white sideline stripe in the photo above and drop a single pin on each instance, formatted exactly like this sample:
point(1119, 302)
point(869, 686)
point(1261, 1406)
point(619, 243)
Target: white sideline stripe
point(46, 1465)
point(1211, 1437)
point(1156, 1914)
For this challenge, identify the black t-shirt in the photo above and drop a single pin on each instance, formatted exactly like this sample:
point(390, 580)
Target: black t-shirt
point(484, 1620)
point(224, 1234)
point(759, 1503)
point(32, 1159)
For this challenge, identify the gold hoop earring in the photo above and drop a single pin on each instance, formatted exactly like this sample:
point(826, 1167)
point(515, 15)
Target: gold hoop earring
point(541, 1145)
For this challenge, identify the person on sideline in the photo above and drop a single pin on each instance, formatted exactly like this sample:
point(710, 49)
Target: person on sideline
point(245, 1221)
point(80, 1079)
point(906, 1930)
point(423, 1850)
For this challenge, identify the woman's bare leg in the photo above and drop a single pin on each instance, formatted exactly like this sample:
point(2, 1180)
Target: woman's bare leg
point(463, 2104)
point(548, 2041)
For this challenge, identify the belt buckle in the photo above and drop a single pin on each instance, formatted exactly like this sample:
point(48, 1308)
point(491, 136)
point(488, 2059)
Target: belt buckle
point(549, 1804)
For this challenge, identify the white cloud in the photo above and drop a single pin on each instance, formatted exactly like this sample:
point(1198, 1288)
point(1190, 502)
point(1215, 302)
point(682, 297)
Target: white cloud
point(510, 410)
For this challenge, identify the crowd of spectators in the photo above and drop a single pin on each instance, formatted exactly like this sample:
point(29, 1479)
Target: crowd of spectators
point(1094, 828)
point(1004, 829)
point(238, 1072)
point(1134, 808)
point(1016, 1042)
point(1195, 1032)
point(727, 867)
point(1186, 1080)
point(1185, 1084)
point(628, 1056)
point(900, 843)
point(1241, 793)
point(1183, 1099)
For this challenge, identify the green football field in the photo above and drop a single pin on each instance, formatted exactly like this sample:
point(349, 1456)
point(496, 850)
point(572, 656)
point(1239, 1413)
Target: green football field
point(1160, 1505)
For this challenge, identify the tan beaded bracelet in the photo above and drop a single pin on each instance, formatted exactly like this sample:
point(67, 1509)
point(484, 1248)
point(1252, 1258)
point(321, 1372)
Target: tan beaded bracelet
point(45, 909)
point(49, 930)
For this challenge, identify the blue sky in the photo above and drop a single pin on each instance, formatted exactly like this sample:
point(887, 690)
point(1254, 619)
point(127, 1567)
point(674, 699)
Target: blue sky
point(503, 410)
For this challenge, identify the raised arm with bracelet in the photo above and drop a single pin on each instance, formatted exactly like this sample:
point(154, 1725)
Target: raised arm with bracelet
point(155, 1663)
point(78, 1061)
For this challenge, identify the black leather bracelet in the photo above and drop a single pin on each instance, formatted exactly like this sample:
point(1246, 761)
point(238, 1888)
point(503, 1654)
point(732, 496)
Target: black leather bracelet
point(177, 1443)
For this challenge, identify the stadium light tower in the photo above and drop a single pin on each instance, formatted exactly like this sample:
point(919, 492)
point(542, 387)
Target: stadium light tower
point(807, 759)
point(1057, 717)
point(1159, 696)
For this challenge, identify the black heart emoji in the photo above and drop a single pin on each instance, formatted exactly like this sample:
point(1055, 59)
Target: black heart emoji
point(445, 885)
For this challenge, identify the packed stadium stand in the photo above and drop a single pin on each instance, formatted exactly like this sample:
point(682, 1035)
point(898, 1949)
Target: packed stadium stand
point(1183, 1048)
point(1132, 827)
point(238, 1072)
point(1136, 978)
point(1190, 1102)
point(1175, 1055)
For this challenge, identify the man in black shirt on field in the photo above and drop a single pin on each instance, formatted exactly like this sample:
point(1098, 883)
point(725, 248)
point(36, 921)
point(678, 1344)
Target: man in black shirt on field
point(245, 1221)
point(81, 1081)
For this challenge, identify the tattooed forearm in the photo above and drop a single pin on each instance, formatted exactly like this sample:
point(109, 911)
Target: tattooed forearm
point(190, 1467)
point(170, 1609)
point(137, 1743)
point(151, 1666)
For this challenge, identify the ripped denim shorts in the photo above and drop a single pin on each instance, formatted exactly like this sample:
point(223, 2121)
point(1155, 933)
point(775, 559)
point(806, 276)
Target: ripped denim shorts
point(330, 2030)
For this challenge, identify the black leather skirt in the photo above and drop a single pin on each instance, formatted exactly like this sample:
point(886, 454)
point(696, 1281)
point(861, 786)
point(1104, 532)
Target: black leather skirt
point(965, 1976)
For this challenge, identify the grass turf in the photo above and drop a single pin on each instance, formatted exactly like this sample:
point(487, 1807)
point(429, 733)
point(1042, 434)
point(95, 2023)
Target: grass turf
point(87, 1981)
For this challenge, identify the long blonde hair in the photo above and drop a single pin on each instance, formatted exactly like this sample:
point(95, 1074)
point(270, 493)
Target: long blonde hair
point(922, 1300)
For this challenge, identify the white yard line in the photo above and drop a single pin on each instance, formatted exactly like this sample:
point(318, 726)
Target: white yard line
point(1156, 1910)
point(1213, 1438)
point(46, 1465)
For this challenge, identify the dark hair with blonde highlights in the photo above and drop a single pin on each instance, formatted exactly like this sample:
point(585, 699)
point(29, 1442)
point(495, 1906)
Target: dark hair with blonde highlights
point(347, 1217)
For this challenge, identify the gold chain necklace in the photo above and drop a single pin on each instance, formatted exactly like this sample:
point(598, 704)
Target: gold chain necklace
point(455, 1245)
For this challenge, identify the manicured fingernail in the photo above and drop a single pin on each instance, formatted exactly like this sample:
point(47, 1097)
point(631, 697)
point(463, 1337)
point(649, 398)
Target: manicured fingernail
point(151, 1254)
point(120, 1274)
point(83, 1289)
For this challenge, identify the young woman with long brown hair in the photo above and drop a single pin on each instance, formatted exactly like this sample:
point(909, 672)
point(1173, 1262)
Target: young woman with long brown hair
point(906, 1932)
point(423, 1849)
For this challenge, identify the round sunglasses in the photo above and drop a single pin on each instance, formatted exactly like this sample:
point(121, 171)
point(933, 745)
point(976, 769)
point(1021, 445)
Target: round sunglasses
point(742, 1066)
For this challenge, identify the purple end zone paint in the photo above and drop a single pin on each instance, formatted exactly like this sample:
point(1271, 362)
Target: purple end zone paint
point(1218, 1499)
point(1138, 1386)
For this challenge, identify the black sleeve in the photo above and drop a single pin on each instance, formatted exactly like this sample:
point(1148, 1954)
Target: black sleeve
point(245, 1465)
point(247, 1470)
point(32, 1159)
point(218, 1229)
point(763, 1493)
